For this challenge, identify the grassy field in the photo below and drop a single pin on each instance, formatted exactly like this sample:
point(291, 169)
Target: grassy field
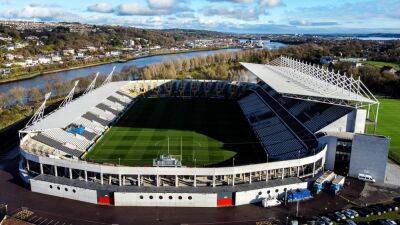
point(210, 132)
point(389, 125)
point(379, 64)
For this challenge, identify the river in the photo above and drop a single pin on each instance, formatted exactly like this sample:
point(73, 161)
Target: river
point(40, 81)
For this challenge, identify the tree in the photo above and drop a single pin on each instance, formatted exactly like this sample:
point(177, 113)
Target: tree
point(18, 94)
point(35, 95)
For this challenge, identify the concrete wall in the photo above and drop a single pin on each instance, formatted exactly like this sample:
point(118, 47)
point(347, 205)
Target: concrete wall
point(331, 142)
point(257, 195)
point(168, 199)
point(360, 119)
point(352, 122)
point(64, 191)
point(340, 125)
point(369, 155)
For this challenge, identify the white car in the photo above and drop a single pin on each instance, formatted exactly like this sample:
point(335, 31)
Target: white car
point(270, 202)
point(366, 177)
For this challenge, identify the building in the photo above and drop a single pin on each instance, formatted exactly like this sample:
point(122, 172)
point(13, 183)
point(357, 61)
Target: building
point(290, 108)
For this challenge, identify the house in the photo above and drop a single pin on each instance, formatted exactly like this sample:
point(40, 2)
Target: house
point(80, 56)
point(5, 71)
point(44, 60)
point(56, 58)
point(91, 48)
point(388, 69)
point(10, 57)
point(67, 52)
point(115, 53)
point(326, 60)
point(31, 62)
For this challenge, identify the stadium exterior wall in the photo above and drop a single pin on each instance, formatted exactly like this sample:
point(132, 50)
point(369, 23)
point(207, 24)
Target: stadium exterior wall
point(369, 155)
point(64, 191)
point(182, 171)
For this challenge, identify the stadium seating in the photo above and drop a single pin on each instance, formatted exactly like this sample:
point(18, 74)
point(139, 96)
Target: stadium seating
point(92, 117)
point(97, 128)
point(292, 122)
point(105, 107)
point(116, 100)
point(64, 137)
point(56, 145)
point(278, 140)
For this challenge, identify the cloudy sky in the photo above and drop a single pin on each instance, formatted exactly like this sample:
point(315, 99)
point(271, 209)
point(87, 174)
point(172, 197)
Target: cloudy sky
point(240, 16)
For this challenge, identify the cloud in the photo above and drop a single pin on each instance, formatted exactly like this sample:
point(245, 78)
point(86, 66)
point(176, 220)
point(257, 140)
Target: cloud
point(41, 12)
point(364, 10)
point(271, 3)
point(135, 9)
point(240, 13)
point(161, 4)
point(308, 23)
point(101, 7)
point(233, 1)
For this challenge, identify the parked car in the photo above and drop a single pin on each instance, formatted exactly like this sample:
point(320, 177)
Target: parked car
point(366, 177)
point(326, 220)
point(340, 215)
point(382, 208)
point(391, 222)
point(375, 210)
point(363, 212)
point(334, 217)
point(350, 222)
point(384, 222)
point(348, 214)
point(369, 211)
point(362, 223)
point(354, 212)
point(393, 207)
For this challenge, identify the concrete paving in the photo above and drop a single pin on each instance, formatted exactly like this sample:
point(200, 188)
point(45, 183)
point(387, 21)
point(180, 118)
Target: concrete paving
point(392, 173)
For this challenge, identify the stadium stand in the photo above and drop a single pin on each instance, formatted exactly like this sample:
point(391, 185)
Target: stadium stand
point(278, 140)
point(67, 138)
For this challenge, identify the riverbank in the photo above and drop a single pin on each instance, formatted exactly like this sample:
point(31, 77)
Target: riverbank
point(118, 60)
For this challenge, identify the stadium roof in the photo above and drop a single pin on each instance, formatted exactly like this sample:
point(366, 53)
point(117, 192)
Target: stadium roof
point(297, 79)
point(64, 116)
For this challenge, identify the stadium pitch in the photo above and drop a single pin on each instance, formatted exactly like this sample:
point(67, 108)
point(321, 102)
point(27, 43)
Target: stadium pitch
point(201, 132)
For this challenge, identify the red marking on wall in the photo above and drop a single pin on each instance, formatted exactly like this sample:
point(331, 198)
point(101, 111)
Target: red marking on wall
point(223, 202)
point(104, 200)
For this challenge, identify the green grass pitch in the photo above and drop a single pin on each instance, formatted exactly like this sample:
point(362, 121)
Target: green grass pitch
point(389, 125)
point(208, 132)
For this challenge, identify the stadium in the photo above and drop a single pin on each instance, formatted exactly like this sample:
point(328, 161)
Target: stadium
point(203, 143)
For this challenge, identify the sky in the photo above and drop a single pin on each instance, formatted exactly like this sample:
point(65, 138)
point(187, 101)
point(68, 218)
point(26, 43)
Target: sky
point(236, 16)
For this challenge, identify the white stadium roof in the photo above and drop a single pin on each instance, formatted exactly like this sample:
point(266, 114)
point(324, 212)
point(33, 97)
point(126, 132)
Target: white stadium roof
point(297, 79)
point(64, 116)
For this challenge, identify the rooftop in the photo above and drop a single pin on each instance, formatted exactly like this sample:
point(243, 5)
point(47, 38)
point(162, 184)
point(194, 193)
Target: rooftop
point(64, 116)
point(296, 79)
